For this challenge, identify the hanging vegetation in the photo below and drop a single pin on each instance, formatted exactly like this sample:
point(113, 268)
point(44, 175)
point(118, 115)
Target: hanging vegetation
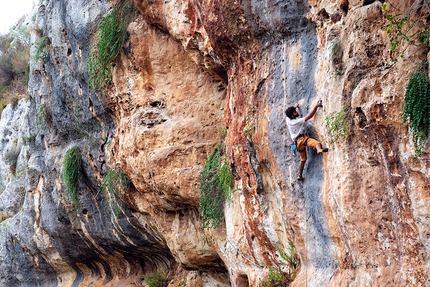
point(216, 181)
point(112, 33)
point(417, 109)
point(72, 175)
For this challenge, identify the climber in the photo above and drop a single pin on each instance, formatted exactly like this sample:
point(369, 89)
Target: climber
point(295, 127)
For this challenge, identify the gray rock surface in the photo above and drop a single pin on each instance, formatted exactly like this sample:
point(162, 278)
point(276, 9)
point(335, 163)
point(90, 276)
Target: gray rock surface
point(43, 241)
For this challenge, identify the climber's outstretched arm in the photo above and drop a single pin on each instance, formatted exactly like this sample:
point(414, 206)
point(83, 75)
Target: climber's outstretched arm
point(314, 110)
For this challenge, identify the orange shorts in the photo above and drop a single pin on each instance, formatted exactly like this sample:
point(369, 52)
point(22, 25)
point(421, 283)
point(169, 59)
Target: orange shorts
point(302, 143)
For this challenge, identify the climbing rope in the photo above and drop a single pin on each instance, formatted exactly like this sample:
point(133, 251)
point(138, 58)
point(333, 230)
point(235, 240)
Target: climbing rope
point(306, 232)
point(306, 209)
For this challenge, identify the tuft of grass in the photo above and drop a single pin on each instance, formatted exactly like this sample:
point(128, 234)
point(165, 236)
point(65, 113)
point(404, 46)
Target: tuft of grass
point(290, 258)
point(156, 279)
point(112, 33)
point(417, 109)
point(224, 132)
point(41, 117)
point(275, 277)
point(337, 125)
point(216, 181)
point(115, 180)
point(11, 157)
point(335, 48)
point(41, 44)
point(336, 53)
point(72, 175)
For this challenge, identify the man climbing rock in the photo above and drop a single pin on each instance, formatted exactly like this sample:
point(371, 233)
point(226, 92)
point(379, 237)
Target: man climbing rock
point(295, 126)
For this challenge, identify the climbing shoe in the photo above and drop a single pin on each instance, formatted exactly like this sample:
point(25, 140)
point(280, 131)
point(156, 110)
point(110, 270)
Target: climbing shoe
point(300, 177)
point(323, 150)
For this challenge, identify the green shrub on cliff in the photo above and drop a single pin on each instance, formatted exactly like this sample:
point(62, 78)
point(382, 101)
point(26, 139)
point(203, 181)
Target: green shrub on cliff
point(72, 174)
point(156, 279)
point(112, 33)
point(278, 277)
point(337, 125)
point(216, 181)
point(417, 109)
point(409, 27)
point(114, 180)
point(290, 258)
point(40, 45)
point(11, 157)
point(275, 277)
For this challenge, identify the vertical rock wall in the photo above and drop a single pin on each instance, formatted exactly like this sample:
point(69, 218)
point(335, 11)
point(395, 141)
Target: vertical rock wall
point(46, 239)
point(189, 70)
point(276, 53)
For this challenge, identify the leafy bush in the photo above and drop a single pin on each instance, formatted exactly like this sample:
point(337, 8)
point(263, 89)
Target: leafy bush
point(156, 279)
point(72, 175)
point(337, 125)
point(114, 180)
point(417, 109)
point(112, 33)
point(406, 26)
point(216, 181)
point(14, 65)
point(290, 258)
point(277, 277)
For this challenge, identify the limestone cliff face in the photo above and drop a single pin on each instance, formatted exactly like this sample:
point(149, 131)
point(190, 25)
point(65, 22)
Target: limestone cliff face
point(189, 70)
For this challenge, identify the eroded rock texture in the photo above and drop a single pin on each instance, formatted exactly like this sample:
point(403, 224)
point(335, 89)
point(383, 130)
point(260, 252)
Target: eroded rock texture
point(189, 70)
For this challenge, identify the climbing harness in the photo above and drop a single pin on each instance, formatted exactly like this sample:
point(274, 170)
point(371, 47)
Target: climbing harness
point(305, 144)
